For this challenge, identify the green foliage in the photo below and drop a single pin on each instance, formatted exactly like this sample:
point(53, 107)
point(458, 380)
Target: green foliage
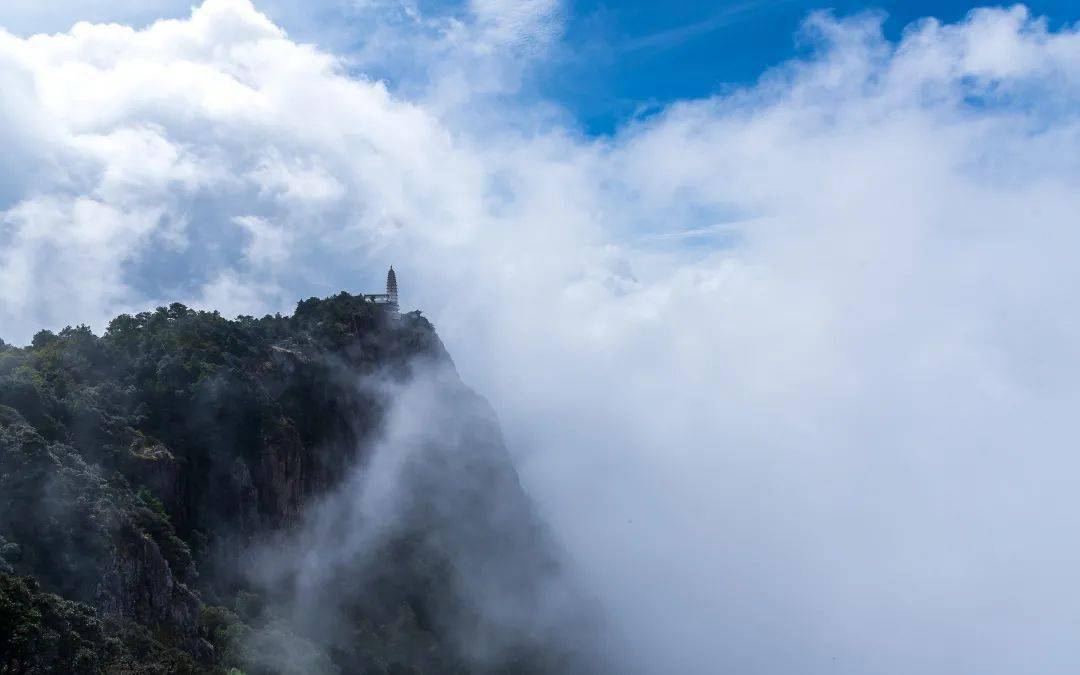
point(148, 498)
point(42, 633)
point(43, 339)
point(134, 467)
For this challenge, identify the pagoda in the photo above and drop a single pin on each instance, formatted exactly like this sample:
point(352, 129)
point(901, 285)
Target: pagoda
point(390, 297)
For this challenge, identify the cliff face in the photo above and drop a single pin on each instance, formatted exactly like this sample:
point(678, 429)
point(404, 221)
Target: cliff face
point(163, 489)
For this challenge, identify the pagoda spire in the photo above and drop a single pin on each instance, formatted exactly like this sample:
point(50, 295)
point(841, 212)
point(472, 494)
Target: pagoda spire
point(391, 288)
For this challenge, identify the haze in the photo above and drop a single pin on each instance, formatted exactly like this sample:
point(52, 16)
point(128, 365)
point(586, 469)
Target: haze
point(791, 370)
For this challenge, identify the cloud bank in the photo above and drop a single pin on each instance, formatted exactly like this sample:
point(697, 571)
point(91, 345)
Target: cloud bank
point(791, 371)
point(434, 515)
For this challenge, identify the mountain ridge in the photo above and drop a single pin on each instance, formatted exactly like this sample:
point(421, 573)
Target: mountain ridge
point(155, 481)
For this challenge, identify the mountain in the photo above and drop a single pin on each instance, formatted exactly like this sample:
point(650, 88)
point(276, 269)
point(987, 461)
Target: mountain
point(317, 493)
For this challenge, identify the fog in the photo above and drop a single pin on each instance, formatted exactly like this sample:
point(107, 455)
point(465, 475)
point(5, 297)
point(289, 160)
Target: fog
point(432, 516)
point(790, 372)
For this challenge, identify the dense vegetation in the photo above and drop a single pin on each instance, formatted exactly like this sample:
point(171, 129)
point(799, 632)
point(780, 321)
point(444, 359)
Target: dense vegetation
point(139, 468)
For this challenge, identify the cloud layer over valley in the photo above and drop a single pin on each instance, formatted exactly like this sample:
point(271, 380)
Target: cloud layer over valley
point(791, 371)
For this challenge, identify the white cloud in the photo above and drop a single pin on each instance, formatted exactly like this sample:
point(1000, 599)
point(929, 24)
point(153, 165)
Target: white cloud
point(528, 24)
point(269, 243)
point(231, 295)
point(66, 256)
point(830, 432)
point(32, 16)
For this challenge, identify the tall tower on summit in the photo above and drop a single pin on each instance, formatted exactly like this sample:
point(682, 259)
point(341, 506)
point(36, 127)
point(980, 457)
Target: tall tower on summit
point(391, 288)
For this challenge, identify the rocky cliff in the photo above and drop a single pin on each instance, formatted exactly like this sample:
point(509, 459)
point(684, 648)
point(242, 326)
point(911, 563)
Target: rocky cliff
point(167, 489)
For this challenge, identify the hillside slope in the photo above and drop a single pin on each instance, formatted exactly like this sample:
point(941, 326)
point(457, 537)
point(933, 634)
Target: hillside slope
point(188, 493)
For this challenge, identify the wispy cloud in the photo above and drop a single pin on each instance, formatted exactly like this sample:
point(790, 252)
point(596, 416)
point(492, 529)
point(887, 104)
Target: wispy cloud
point(841, 442)
point(732, 15)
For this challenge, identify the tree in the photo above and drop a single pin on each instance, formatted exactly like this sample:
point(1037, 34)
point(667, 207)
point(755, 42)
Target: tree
point(43, 338)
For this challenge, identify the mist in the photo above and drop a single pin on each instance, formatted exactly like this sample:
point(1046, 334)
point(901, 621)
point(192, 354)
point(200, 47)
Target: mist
point(433, 513)
point(789, 372)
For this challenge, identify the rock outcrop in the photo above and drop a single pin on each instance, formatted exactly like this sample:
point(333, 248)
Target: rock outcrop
point(141, 471)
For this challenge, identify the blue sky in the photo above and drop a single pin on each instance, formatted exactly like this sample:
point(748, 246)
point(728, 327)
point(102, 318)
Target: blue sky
point(809, 354)
point(616, 60)
point(624, 58)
